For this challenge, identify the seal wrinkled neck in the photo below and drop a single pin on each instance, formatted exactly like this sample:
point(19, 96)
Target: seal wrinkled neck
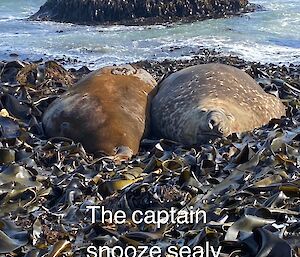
point(201, 125)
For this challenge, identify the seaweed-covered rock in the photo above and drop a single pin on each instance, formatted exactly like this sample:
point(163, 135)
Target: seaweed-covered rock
point(137, 12)
point(248, 184)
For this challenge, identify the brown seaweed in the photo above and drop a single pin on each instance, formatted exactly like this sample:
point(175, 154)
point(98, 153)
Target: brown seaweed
point(248, 184)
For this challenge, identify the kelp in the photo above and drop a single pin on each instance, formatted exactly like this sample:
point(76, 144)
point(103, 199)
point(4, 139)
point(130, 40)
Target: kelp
point(11, 236)
point(139, 12)
point(248, 184)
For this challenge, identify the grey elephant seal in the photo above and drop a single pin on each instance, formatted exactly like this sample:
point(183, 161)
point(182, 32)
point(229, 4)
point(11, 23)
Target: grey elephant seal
point(105, 111)
point(206, 101)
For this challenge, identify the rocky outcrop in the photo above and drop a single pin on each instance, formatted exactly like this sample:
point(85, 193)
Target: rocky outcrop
point(137, 11)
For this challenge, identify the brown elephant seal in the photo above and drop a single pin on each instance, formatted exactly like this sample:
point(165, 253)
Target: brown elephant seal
point(106, 111)
point(206, 101)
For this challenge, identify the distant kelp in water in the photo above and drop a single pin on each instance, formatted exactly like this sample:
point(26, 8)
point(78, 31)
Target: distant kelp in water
point(249, 184)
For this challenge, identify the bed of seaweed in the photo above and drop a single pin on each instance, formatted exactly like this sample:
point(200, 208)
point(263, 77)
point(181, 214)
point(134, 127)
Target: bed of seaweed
point(248, 184)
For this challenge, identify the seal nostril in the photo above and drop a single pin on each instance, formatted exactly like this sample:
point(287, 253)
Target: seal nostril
point(216, 126)
point(211, 124)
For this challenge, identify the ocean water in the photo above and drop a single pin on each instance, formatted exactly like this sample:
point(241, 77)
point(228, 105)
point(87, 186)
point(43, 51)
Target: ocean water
point(266, 36)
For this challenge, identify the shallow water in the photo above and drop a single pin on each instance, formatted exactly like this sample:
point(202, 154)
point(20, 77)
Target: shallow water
point(267, 36)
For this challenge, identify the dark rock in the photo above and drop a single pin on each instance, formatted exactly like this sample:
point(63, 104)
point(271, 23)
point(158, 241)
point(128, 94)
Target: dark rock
point(13, 55)
point(84, 69)
point(10, 70)
point(138, 12)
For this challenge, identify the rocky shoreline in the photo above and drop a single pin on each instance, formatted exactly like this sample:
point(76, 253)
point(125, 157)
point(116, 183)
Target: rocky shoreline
point(248, 184)
point(145, 12)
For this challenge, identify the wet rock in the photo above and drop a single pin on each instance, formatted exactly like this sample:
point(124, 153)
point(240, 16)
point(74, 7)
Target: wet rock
point(14, 55)
point(10, 70)
point(138, 12)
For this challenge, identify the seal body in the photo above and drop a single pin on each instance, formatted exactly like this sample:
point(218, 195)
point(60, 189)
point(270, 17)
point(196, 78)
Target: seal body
point(206, 101)
point(104, 111)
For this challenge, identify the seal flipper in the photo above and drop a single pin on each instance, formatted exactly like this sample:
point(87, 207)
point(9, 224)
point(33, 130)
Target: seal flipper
point(123, 153)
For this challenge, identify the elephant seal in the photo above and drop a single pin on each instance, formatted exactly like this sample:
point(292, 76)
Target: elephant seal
point(206, 101)
point(106, 111)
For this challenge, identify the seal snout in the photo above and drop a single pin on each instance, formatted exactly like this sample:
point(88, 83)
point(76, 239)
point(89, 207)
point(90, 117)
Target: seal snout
point(218, 122)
